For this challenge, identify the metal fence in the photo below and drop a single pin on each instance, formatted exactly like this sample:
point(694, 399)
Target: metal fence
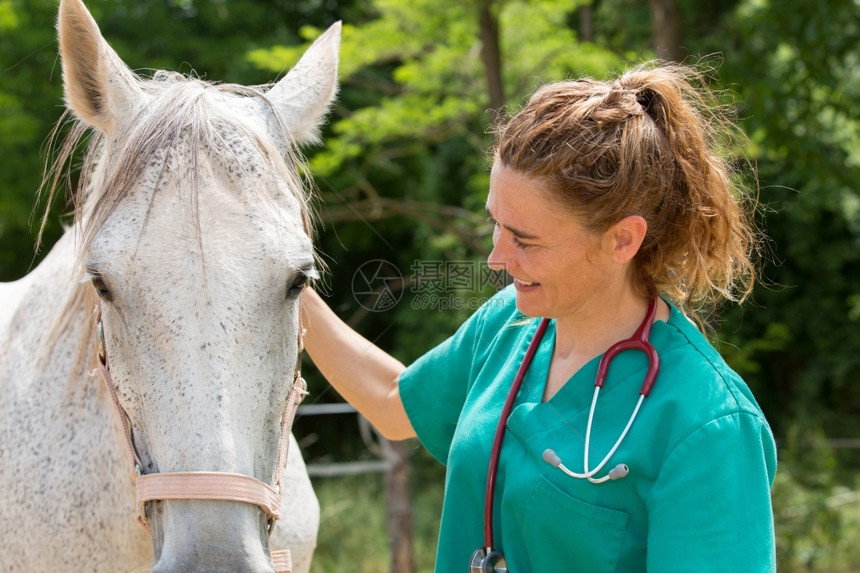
point(392, 460)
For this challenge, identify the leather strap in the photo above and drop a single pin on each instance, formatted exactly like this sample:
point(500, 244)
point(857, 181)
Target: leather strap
point(209, 485)
point(283, 561)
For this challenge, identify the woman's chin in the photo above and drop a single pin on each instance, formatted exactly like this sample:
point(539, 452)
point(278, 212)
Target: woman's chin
point(528, 306)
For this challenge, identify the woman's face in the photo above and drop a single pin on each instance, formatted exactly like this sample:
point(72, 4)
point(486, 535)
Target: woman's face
point(559, 268)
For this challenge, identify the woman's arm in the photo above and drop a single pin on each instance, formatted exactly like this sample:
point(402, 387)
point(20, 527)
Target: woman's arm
point(365, 375)
point(710, 509)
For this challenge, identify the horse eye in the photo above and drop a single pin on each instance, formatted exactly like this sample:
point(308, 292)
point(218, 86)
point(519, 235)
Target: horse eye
point(101, 289)
point(299, 283)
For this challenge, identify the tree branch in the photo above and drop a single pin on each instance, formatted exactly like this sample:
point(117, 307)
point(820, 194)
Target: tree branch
point(491, 54)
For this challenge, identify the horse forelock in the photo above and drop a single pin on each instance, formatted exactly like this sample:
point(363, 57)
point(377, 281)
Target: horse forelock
point(185, 109)
point(181, 115)
point(179, 106)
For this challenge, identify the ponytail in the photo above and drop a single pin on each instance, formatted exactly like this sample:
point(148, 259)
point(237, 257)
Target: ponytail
point(655, 143)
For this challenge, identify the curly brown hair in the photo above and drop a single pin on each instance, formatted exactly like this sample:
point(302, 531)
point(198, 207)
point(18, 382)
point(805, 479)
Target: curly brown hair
point(655, 142)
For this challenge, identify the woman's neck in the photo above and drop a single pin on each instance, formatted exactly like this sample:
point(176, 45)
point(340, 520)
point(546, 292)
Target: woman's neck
point(582, 336)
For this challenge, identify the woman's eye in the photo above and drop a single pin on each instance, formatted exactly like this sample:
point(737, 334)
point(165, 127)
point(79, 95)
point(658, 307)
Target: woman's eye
point(101, 289)
point(514, 239)
point(519, 244)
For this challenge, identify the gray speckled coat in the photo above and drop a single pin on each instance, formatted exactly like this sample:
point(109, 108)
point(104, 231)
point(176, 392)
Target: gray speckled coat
point(193, 230)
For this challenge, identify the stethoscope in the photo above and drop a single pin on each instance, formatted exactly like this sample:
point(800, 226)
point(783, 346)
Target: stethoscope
point(485, 559)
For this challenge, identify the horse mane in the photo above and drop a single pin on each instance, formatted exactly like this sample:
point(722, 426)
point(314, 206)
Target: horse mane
point(180, 112)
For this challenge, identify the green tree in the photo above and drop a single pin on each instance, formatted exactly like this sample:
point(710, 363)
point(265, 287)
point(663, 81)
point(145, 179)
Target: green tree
point(29, 105)
point(795, 66)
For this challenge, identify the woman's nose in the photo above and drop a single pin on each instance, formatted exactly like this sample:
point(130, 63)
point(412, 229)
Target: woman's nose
point(495, 261)
point(498, 260)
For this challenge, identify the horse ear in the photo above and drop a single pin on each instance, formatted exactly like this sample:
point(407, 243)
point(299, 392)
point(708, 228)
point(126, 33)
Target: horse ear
point(99, 87)
point(304, 95)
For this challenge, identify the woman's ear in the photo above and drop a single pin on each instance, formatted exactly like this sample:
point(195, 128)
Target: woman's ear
point(625, 237)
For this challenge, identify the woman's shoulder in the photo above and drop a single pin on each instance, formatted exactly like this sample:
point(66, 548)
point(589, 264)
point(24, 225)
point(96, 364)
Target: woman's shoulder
point(698, 374)
point(699, 402)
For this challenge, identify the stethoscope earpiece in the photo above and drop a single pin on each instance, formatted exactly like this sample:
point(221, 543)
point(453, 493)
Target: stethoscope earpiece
point(550, 457)
point(619, 471)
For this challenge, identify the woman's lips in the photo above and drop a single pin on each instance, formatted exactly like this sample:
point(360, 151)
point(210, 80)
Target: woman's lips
point(521, 284)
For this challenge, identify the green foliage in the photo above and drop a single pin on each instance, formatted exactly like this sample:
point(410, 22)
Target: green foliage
point(353, 534)
point(795, 67)
point(817, 515)
point(744, 355)
point(8, 18)
point(422, 62)
point(29, 105)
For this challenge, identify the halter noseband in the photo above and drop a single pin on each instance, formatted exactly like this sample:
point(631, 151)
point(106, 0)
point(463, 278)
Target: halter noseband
point(219, 486)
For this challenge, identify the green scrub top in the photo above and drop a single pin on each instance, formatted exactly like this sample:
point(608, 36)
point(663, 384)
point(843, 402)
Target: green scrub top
point(701, 454)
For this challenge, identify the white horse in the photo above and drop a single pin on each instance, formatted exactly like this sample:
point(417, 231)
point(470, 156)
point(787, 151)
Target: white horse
point(191, 243)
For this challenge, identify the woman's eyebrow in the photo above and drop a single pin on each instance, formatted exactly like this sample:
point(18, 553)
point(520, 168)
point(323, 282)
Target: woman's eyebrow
point(516, 232)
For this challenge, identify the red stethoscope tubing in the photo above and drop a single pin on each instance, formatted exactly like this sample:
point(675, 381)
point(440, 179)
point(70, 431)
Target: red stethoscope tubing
point(500, 432)
point(639, 341)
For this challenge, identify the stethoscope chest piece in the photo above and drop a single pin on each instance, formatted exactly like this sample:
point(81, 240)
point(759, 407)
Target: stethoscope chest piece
point(486, 560)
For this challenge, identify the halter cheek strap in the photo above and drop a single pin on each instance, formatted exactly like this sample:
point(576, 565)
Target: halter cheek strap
point(220, 486)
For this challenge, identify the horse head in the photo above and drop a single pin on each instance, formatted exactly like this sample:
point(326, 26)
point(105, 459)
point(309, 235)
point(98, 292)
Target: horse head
point(194, 233)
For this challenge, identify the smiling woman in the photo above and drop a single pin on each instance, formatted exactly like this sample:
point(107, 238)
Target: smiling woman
point(615, 216)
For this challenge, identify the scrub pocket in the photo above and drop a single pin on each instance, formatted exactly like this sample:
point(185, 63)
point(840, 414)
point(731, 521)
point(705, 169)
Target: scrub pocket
point(568, 534)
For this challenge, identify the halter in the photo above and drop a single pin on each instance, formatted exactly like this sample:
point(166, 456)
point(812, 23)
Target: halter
point(219, 486)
